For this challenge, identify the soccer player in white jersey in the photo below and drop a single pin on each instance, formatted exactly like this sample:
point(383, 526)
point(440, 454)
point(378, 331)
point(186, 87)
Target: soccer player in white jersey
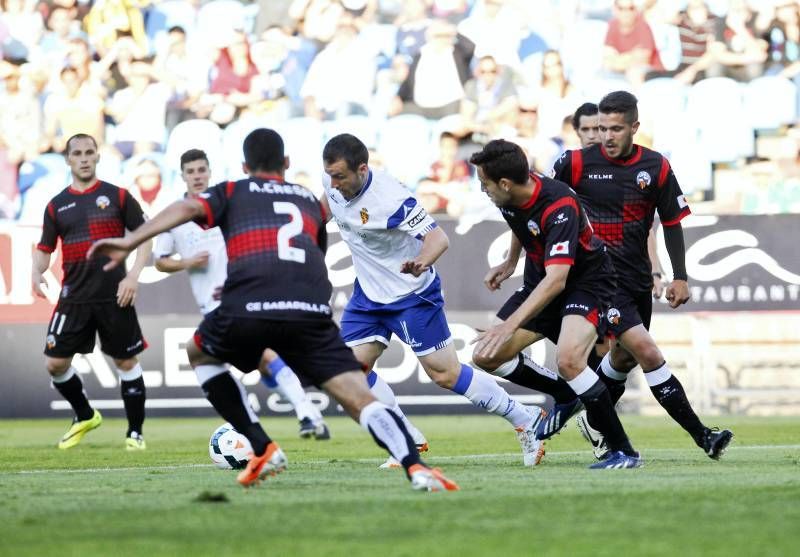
point(394, 244)
point(202, 254)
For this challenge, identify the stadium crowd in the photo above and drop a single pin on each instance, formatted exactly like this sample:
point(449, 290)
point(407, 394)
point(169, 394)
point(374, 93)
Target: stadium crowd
point(422, 81)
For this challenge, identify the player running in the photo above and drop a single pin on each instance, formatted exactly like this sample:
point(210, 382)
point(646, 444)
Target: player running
point(622, 185)
point(567, 298)
point(202, 255)
point(275, 295)
point(394, 244)
point(92, 302)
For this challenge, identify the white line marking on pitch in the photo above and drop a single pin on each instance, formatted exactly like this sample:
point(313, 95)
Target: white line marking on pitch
point(367, 460)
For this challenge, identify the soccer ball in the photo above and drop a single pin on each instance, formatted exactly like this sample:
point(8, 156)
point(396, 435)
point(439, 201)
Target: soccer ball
point(228, 448)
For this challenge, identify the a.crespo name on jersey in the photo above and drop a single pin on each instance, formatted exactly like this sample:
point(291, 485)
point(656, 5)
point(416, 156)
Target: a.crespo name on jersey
point(291, 189)
point(288, 305)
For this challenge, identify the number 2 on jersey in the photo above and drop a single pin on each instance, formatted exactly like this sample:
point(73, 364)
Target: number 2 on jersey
point(289, 231)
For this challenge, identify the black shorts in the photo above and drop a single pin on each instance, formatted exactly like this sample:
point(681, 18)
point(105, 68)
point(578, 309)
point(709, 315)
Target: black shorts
point(629, 310)
point(73, 328)
point(548, 323)
point(314, 349)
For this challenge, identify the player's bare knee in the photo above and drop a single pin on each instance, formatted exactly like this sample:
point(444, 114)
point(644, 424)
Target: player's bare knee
point(570, 364)
point(485, 362)
point(126, 364)
point(57, 366)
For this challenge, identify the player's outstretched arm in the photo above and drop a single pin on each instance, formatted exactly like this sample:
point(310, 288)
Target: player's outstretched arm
point(41, 262)
point(498, 274)
point(491, 341)
point(678, 289)
point(117, 249)
point(434, 245)
point(128, 286)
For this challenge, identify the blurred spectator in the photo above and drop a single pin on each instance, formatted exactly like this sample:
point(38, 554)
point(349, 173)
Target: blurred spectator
point(451, 10)
point(62, 25)
point(556, 95)
point(698, 29)
point(185, 72)
point(267, 95)
point(494, 28)
point(139, 111)
point(77, 108)
point(630, 46)
point(435, 83)
point(490, 102)
point(20, 119)
point(739, 50)
point(23, 22)
point(273, 13)
point(341, 77)
point(411, 25)
point(148, 188)
point(317, 19)
point(541, 150)
point(783, 37)
point(387, 84)
point(291, 56)
point(231, 76)
point(448, 179)
point(108, 20)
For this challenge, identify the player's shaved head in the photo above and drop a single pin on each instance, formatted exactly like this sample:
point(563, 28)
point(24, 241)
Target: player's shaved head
point(263, 151)
point(502, 159)
point(79, 136)
point(620, 102)
point(346, 147)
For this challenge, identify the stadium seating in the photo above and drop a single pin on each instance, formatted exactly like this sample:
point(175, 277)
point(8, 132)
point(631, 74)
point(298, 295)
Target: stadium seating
point(303, 141)
point(363, 127)
point(662, 102)
point(770, 102)
point(196, 134)
point(49, 165)
point(715, 109)
point(668, 43)
point(404, 144)
point(582, 49)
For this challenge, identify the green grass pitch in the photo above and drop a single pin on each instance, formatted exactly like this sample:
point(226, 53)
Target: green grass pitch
point(98, 499)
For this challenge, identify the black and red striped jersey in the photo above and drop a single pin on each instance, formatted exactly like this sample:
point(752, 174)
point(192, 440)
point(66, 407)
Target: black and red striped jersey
point(275, 238)
point(553, 229)
point(81, 218)
point(621, 197)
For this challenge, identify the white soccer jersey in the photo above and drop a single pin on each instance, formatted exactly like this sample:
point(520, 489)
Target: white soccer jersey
point(383, 226)
point(189, 239)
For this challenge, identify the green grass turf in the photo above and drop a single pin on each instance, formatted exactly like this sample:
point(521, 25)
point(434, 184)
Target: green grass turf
point(98, 499)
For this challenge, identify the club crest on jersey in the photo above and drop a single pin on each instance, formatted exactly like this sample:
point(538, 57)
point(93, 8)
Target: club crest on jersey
point(643, 179)
point(613, 316)
point(51, 341)
point(102, 202)
point(364, 215)
point(533, 227)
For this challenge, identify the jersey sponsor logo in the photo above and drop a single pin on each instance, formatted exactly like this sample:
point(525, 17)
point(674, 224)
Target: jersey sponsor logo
point(534, 228)
point(643, 179)
point(134, 346)
point(508, 212)
point(364, 214)
point(613, 316)
point(682, 203)
point(582, 307)
point(560, 248)
point(68, 206)
point(418, 218)
point(561, 218)
point(51, 341)
point(288, 305)
point(601, 176)
point(102, 201)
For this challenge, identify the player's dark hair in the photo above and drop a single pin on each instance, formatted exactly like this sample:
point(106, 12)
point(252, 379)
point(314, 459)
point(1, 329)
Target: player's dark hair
point(193, 155)
point(346, 147)
point(263, 150)
point(586, 109)
point(502, 159)
point(79, 136)
point(177, 29)
point(620, 102)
